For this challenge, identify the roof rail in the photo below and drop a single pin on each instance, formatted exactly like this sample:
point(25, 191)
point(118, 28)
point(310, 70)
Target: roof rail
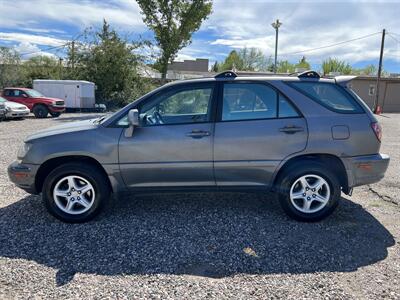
point(308, 74)
point(226, 74)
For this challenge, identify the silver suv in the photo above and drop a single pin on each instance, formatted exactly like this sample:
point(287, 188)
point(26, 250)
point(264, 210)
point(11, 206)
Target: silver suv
point(303, 137)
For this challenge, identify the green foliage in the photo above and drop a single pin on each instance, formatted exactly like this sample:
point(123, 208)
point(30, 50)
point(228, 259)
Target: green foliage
point(247, 59)
point(10, 71)
point(110, 62)
point(232, 62)
point(367, 70)
point(303, 64)
point(173, 23)
point(336, 65)
point(41, 67)
point(285, 66)
point(253, 59)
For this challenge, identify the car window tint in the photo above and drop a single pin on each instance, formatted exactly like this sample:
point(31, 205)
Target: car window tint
point(248, 101)
point(181, 107)
point(286, 110)
point(329, 95)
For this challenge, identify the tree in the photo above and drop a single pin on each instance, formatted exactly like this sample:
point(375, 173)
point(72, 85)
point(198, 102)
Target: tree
point(109, 61)
point(232, 62)
point(303, 64)
point(10, 70)
point(215, 67)
point(41, 67)
point(285, 66)
point(367, 70)
point(336, 65)
point(253, 59)
point(173, 23)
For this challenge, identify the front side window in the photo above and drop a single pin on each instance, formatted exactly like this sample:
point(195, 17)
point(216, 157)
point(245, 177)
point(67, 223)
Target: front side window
point(34, 93)
point(178, 107)
point(248, 101)
point(329, 95)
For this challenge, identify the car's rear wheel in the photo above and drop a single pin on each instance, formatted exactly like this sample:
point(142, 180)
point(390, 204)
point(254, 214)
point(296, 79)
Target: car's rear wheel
point(75, 193)
point(40, 111)
point(308, 191)
point(55, 114)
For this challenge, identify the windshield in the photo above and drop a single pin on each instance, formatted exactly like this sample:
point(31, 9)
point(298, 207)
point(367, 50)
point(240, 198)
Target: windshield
point(33, 93)
point(2, 99)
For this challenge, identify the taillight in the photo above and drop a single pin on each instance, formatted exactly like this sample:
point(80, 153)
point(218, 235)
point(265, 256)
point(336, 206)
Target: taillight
point(376, 127)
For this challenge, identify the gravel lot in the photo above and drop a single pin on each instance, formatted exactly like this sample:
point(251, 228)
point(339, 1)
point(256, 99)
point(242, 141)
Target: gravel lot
point(201, 245)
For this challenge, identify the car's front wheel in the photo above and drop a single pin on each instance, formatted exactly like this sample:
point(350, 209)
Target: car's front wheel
point(308, 191)
point(75, 193)
point(40, 111)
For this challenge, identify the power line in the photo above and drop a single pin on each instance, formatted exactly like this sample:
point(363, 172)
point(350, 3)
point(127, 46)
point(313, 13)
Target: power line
point(331, 45)
point(390, 34)
point(41, 50)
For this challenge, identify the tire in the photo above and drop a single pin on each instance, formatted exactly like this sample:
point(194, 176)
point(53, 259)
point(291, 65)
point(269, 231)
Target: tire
point(313, 204)
point(55, 114)
point(40, 111)
point(85, 176)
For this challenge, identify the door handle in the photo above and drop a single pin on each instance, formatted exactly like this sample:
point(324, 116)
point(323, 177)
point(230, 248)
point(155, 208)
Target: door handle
point(198, 134)
point(291, 129)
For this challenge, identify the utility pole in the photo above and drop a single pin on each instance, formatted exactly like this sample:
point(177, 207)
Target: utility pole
point(276, 25)
point(378, 78)
point(73, 55)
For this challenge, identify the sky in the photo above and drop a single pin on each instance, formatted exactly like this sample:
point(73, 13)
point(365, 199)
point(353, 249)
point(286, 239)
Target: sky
point(37, 25)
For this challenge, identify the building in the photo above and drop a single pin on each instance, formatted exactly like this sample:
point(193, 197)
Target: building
point(198, 65)
point(389, 92)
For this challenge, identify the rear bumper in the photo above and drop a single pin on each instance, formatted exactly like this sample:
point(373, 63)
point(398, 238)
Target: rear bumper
point(23, 176)
point(367, 169)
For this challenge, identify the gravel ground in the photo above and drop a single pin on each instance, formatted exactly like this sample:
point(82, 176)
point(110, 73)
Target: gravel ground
point(200, 245)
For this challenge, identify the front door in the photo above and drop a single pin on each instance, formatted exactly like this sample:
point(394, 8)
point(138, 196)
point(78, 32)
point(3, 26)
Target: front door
point(257, 128)
point(173, 144)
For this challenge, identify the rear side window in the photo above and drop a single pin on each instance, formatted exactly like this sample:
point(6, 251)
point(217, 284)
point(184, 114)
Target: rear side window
point(329, 95)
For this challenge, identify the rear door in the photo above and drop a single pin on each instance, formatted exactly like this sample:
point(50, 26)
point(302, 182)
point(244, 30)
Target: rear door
point(257, 128)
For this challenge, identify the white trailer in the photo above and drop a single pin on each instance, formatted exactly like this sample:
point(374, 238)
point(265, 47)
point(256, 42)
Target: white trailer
point(77, 94)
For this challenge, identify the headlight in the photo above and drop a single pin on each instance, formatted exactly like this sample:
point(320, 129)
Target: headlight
point(23, 150)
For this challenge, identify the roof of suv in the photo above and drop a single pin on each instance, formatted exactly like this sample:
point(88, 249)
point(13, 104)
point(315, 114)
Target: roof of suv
point(231, 76)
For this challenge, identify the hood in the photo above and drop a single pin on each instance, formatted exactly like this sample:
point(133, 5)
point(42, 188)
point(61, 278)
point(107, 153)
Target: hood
point(69, 127)
point(11, 104)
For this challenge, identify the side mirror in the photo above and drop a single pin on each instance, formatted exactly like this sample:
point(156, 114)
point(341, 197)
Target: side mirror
point(133, 120)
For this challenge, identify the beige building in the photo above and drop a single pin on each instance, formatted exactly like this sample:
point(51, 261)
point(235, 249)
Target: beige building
point(389, 92)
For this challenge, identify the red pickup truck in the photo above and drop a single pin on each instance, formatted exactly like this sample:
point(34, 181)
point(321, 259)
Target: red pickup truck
point(40, 105)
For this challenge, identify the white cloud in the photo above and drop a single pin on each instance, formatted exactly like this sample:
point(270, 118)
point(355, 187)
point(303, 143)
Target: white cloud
point(29, 50)
point(124, 14)
point(31, 38)
point(306, 25)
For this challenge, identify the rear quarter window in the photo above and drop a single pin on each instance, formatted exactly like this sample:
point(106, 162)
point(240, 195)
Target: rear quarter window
point(329, 95)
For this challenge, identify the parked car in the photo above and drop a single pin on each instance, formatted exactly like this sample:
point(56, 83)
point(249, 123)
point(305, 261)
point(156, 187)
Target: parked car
point(2, 110)
point(304, 137)
point(13, 110)
point(40, 105)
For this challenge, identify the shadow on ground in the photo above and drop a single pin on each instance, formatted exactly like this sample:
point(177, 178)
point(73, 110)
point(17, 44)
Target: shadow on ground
point(211, 235)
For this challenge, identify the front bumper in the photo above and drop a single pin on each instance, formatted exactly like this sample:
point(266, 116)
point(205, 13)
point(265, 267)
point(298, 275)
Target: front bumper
point(55, 108)
point(23, 176)
point(367, 169)
point(17, 113)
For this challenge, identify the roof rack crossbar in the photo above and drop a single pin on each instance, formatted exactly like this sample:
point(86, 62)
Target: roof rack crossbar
point(226, 74)
point(308, 74)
